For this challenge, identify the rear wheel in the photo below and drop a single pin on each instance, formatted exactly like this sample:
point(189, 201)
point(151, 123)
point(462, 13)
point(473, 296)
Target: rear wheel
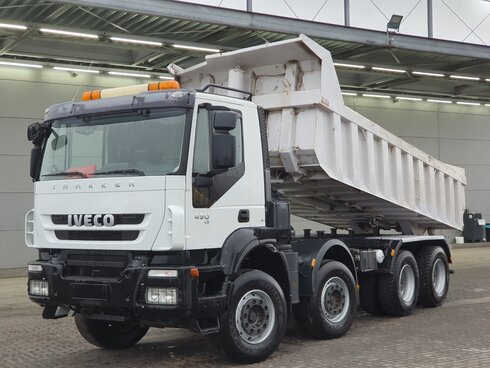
point(434, 276)
point(398, 292)
point(256, 320)
point(109, 335)
point(331, 311)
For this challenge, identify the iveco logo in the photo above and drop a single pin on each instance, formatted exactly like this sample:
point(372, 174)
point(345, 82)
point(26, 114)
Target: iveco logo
point(91, 220)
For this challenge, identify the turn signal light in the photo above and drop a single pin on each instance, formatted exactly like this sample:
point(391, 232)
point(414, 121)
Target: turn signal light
point(194, 272)
point(129, 90)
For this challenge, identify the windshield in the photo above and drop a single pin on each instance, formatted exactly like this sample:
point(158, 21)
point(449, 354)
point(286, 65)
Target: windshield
point(141, 143)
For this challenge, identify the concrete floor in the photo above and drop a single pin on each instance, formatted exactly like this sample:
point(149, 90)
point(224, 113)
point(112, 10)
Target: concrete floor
point(454, 335)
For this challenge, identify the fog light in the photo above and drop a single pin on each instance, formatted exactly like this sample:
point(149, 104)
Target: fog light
point(166, 296)
point(163, 273)
point(34, 268)
point(38, 287)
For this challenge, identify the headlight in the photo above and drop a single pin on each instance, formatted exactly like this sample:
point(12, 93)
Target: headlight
point(38, 287)
point(34, 268)
point(166, 296)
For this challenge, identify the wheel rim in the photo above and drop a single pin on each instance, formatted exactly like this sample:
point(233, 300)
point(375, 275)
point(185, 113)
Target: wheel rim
point(255, 317)
point(335, 300)
point(406, 284)
point(439, 277)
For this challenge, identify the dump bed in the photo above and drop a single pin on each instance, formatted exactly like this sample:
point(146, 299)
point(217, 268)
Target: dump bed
point(334, 165)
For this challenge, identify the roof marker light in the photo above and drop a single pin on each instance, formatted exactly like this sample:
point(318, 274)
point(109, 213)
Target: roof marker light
point(428, 74)
point(25, 65)
point(440, 101)
point(76, 70)
point(464, 77)
point(13, 26)
point(390, 70)
point(140, 42)
point(353, 66)
point(67, 33)
point(195, 48)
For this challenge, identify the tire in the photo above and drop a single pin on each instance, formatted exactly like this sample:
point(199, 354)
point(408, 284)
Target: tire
point(109, 335)
point(368, 294)
point(434, 276)
point(398, 293)
point(330, 312)
point(246, 335)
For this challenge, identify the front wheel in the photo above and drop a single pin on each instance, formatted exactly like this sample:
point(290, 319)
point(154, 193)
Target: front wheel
point(256, 319)
point(331, 311)
point(109, 335)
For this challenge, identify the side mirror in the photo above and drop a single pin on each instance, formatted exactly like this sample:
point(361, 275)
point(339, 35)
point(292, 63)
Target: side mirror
point(34, 133)
point(224, 144)
point(36, 153)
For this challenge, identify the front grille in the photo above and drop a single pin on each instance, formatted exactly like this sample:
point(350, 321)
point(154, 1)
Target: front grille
point(119, 219)
point(97, 235)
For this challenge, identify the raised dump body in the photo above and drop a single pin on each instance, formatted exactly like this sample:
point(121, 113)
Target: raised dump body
point(334, 165)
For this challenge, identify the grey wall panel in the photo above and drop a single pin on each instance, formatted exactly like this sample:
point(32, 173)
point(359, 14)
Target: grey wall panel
point(403, 122)
point(478, 177)
point(13, 139)
point(465, 152)
point(479, 201)
point(14, 207)
point(14, 173)
point(464, 126)
point(14, 251)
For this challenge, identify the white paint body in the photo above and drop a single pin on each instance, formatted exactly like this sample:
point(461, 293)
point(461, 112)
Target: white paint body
point(345, 170)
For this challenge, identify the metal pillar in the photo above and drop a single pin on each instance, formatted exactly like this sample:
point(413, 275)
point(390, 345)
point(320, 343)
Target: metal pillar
point(430, 24)
point(249, 6)
point(347, 13)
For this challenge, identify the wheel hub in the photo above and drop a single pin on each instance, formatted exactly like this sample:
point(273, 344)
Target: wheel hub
point(335, 300)
point(255, 316)
point(406, 284)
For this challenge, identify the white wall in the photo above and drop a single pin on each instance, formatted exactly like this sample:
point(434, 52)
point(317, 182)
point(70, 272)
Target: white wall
point(24, 95)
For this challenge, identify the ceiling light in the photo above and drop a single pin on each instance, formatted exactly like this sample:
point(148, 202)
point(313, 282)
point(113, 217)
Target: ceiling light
point(464, 77)
point(488, 105)
point(428, 74)
point(13, 26)
point(349, 94)
point(440, 101)
point(394, 23)
point(353, 66)
point(388, 70)
point(468, 103)
point(195, 48)
point(66, 33)
point(131, 74)
point(166, 77)
point(8, 63)
point(140, 42)
point(408, 98)
point(76, 70)
point(376, 96)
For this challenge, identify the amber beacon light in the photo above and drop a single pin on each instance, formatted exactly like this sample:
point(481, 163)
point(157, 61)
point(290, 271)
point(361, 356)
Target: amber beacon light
point(129, 90)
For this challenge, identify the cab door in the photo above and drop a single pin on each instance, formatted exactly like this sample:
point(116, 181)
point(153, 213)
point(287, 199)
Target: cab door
point(223, 195)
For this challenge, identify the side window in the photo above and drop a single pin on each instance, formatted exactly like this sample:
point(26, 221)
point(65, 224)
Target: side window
point(208, 184)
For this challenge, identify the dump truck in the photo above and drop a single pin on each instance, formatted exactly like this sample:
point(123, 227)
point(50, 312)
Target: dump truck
point(168, 204)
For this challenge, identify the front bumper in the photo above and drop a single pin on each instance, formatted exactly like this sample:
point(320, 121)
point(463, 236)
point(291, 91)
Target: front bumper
point(124, 296)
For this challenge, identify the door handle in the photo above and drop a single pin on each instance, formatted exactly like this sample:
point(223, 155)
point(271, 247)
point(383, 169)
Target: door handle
point(243, 216)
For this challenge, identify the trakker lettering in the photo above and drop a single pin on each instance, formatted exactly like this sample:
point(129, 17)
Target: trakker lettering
point(91, 220)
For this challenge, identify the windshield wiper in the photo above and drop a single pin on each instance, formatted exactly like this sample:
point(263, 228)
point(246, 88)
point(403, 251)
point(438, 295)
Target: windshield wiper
point(120, 171)
point(68, 173)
